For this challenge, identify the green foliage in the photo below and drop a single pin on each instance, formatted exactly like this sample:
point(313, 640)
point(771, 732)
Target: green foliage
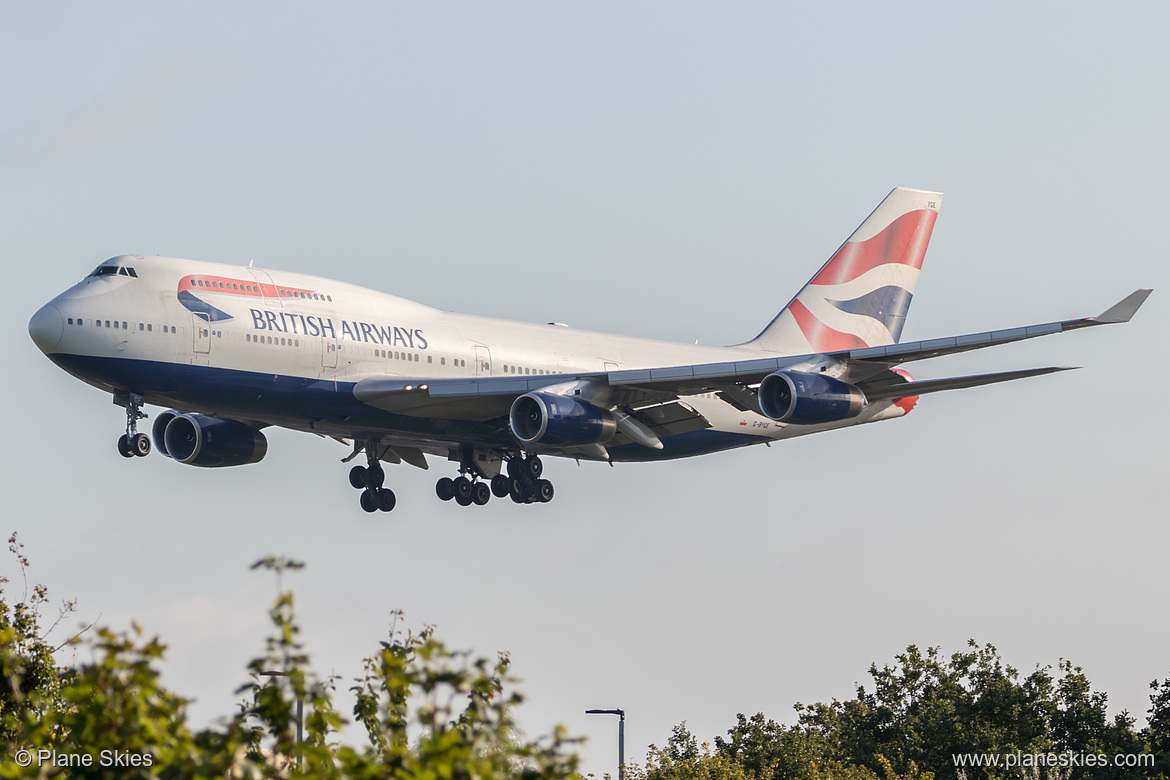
point(432, 713)
point(927, 707)
point(1157, 733)
point(30, 682)
point(684, 759)
point(429, 712)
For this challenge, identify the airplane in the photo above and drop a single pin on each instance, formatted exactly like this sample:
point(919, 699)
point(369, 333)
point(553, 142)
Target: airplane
point(232, 350)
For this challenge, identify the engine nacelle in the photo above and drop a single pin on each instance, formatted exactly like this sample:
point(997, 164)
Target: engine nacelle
point(808, 399)
point(200, 440)
point(559, 420)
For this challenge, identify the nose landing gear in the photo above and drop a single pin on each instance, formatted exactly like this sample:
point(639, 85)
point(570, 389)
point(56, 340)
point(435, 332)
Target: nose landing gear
point(132, 443)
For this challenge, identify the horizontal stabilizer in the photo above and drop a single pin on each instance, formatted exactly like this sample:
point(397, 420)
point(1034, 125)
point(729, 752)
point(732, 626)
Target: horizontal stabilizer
point(907, 389)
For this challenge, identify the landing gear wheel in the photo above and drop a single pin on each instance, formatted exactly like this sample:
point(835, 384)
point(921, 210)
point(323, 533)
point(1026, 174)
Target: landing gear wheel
point(544, 491)
point(386, 499)
point(519, 492)
point(481, 493)
point(501, 486)
point(132, 442)
point(514, 468)
point(357, 477)
point(533, 468)
point(462, 500)
point(140, 444)
point(369, 501)
point(375, 476)
point(462, 489)
point(445, 489)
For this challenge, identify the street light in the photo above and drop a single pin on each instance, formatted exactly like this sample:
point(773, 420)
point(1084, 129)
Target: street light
point(621, 737)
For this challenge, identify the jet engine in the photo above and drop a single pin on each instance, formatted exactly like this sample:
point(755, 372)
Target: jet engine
point(808, 399)
point(559, 420)
point(200, 440)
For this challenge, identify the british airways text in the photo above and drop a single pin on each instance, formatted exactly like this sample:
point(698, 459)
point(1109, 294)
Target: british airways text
point(308, 325)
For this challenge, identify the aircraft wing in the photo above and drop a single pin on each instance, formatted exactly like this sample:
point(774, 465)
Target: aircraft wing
point(866, 363)
point(485, 398)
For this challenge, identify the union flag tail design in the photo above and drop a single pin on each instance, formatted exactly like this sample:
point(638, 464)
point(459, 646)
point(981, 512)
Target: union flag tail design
point(860, 297)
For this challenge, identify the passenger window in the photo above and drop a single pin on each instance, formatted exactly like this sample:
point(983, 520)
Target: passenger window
point(428, 358)
point(141, 326)
point(442, 361)
point(70, 320)
point(123, 326)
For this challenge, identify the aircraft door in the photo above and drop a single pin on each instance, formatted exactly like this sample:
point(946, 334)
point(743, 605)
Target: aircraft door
point(328, 352)
point(483, 361)
point(267, 288)
point(201, 334)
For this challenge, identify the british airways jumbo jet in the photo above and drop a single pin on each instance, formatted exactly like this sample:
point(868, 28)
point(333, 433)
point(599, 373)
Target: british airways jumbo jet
point(234, 350)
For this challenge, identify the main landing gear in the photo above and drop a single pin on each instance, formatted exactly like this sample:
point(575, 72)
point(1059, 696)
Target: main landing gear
point(522, 483)
point(369, 479)
point(132, 443)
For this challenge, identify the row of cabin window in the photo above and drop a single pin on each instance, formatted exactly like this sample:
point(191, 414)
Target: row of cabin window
point(255, 288)
point(519, 370)
point(148, 327)
point(272, 340)
point(413, 356)
point(390, 355)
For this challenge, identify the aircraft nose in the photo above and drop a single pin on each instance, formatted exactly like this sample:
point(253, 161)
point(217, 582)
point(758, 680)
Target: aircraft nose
point(46, 327)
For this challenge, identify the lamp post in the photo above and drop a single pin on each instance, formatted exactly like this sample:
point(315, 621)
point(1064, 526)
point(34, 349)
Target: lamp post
point(300, 714)
point(621, 737)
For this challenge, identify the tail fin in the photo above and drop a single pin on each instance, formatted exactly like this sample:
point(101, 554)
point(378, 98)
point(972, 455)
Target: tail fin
point(860, 297)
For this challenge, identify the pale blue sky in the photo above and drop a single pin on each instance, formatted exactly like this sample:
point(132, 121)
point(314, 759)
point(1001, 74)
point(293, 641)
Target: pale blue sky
point(674, 170)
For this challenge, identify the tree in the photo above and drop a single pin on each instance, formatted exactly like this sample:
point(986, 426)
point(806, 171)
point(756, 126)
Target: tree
point(30, 682)
point(429, 712)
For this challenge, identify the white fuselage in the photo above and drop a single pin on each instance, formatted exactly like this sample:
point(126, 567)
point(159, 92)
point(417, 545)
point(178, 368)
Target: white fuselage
point(258, 336)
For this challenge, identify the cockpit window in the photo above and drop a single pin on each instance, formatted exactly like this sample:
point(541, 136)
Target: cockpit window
point(112, 270)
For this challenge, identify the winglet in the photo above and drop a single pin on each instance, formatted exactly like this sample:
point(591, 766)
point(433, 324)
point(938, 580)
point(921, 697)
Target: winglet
point(1124, 309)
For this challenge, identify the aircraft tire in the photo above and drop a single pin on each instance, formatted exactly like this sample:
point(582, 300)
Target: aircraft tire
point(140, 445)
point(544, 491)
point(462, 489)
point(519, 491)
point(357, 477)
point(501, 486)
point(369, 501)
point(386, 499)
point(124, 447)
point(533, 468)
point(515, 469)
point(445, 488)
point(481, 493)
point(375, 476)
